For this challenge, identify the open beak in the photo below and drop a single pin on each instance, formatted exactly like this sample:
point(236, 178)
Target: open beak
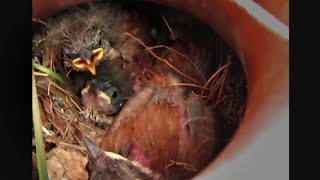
point(90, 64)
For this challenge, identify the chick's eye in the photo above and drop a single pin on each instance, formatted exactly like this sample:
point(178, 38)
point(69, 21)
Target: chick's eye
point(100, 41)
point(114, 94)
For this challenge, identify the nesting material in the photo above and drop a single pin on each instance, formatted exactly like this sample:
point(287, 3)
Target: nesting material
point(179, 97)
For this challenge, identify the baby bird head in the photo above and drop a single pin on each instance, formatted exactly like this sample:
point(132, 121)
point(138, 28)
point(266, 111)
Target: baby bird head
point(84, 47)
point(101, 96)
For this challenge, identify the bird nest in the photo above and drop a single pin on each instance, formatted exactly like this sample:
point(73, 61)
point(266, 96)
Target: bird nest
point(62, 113)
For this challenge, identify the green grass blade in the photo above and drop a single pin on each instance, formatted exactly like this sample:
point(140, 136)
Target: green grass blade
point(42, 169)
point(48, 71)
point(52, 74)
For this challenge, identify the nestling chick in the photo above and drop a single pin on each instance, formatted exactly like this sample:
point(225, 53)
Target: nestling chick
point(108, 165)
point(101, 99)
point(84, 37)
point(104, 94)
point(163, 129)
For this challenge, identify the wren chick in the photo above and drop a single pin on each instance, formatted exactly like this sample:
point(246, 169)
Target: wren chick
point(109, 166)
point(101, 99)
point(83, 37)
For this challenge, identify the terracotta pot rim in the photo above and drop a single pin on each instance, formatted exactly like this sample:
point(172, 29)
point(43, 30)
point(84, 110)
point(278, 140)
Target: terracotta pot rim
point(262, 43)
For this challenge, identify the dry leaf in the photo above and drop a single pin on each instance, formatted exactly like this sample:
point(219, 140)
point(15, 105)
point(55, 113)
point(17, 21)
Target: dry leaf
point(63, 164)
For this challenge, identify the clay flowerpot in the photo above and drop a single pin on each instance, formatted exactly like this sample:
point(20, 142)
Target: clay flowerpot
point(258, 32)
